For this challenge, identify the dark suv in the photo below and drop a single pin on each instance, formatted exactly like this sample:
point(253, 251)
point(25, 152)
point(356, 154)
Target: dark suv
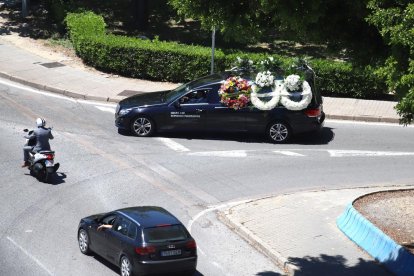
point(140, 240)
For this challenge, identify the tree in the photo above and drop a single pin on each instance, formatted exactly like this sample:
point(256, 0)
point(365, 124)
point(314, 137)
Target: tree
point(395, 21)
point(339, 23)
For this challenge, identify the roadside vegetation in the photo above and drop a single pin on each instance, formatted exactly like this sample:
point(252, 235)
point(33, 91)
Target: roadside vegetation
point(361, 49)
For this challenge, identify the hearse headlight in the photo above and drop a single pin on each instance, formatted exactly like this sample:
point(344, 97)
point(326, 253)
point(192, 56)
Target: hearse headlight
point(123, 112)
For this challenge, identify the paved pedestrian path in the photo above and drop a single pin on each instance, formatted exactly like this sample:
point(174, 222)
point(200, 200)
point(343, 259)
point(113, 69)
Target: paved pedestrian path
point(299, 232)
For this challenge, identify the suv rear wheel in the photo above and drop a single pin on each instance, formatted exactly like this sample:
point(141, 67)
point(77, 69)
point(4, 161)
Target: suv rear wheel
point(278, 132)
point(126, 266)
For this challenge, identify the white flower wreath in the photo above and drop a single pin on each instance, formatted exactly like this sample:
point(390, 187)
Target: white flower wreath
point(254, 97)
point(292, 83)
point(264, 79)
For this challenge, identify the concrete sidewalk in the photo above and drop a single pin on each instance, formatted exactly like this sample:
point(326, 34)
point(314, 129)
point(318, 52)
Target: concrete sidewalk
point(297, 231)
point(54, 76)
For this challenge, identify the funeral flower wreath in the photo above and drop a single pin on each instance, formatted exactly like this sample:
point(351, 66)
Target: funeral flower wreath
point(265, 79)
point(235, 92)
point(293, 83)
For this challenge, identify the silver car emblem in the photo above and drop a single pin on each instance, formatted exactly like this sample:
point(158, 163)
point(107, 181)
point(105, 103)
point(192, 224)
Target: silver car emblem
point(171, 246)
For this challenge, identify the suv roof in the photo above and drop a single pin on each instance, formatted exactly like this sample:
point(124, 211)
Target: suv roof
point(150, 216)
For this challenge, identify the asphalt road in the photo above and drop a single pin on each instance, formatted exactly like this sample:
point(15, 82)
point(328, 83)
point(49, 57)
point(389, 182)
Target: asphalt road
point(191, 175)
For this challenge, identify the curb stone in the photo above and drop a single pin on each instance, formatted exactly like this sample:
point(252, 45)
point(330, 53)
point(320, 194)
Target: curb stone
point(375, 242)
point(257, 243)
point(363, 118)
point(55, 90)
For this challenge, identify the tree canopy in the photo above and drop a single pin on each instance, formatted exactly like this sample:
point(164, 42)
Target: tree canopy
point(370, 30)
point(336, 22)
point(395, 21)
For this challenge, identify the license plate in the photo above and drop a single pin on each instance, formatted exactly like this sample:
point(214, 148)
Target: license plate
point(49, 163)
point(171, 253)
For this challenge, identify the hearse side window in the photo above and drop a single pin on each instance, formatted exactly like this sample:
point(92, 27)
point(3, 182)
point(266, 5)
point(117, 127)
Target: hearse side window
point(194, 97)
point(212, 95)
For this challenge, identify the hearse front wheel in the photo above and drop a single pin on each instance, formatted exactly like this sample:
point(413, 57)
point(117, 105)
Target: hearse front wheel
point(142, 126)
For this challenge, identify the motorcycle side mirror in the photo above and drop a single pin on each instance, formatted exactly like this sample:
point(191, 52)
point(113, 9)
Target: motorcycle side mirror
point(25, 130)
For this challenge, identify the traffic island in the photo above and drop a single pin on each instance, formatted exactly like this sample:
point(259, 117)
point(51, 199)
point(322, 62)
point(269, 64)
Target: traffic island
point(375, 242)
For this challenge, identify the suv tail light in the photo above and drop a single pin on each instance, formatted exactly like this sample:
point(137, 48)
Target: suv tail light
point(145, 250)
point(314, 112)
point(191, 245)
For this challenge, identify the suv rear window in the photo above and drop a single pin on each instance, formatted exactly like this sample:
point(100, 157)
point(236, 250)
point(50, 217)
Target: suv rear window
point(165, 233)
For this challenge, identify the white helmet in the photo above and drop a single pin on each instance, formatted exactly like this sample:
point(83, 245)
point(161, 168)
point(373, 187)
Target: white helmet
point(40, 122)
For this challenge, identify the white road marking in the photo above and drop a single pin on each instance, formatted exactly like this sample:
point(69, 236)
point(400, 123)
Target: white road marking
point(55, 95)
point(288, 153)
point(106, 109)
point(30, 256)
point(213, 208)
point(172, 144)
point(353, 153)
point(229, 153)
point(29, 89)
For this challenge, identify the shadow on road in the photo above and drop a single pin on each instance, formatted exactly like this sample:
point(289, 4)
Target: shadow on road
point(57, 178)
point(268, 273)
point(335, 265)
point(115, 269)
point(322, 137)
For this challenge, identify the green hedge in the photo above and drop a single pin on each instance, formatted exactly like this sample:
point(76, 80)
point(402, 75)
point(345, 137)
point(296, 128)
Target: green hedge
point(170, 61)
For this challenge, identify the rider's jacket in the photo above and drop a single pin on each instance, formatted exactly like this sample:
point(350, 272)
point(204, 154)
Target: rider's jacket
point(42, 136)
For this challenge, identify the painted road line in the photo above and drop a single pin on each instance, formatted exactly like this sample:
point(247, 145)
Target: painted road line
point(288, 153)
point(106, 109)
point(229, 153)
point(30, 256)
point(355, 153)
point(172, 144)
point(28, 89)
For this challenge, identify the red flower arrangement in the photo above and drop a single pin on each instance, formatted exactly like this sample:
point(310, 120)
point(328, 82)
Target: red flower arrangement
point(235, 92)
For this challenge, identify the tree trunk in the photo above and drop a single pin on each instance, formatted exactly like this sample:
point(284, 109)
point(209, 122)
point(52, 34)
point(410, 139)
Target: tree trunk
point(140, 14)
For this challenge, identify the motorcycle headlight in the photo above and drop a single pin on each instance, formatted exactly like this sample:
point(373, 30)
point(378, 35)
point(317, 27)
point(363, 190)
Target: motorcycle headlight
point(124, 112)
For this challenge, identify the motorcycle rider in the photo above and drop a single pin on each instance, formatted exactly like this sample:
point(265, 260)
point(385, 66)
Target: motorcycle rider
point(42, 136)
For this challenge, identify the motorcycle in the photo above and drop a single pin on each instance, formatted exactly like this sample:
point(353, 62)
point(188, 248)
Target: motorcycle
point(41, 164)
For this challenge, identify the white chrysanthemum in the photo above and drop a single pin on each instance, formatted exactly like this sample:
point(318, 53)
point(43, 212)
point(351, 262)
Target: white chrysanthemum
point(264, 79)
point(292, 82)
